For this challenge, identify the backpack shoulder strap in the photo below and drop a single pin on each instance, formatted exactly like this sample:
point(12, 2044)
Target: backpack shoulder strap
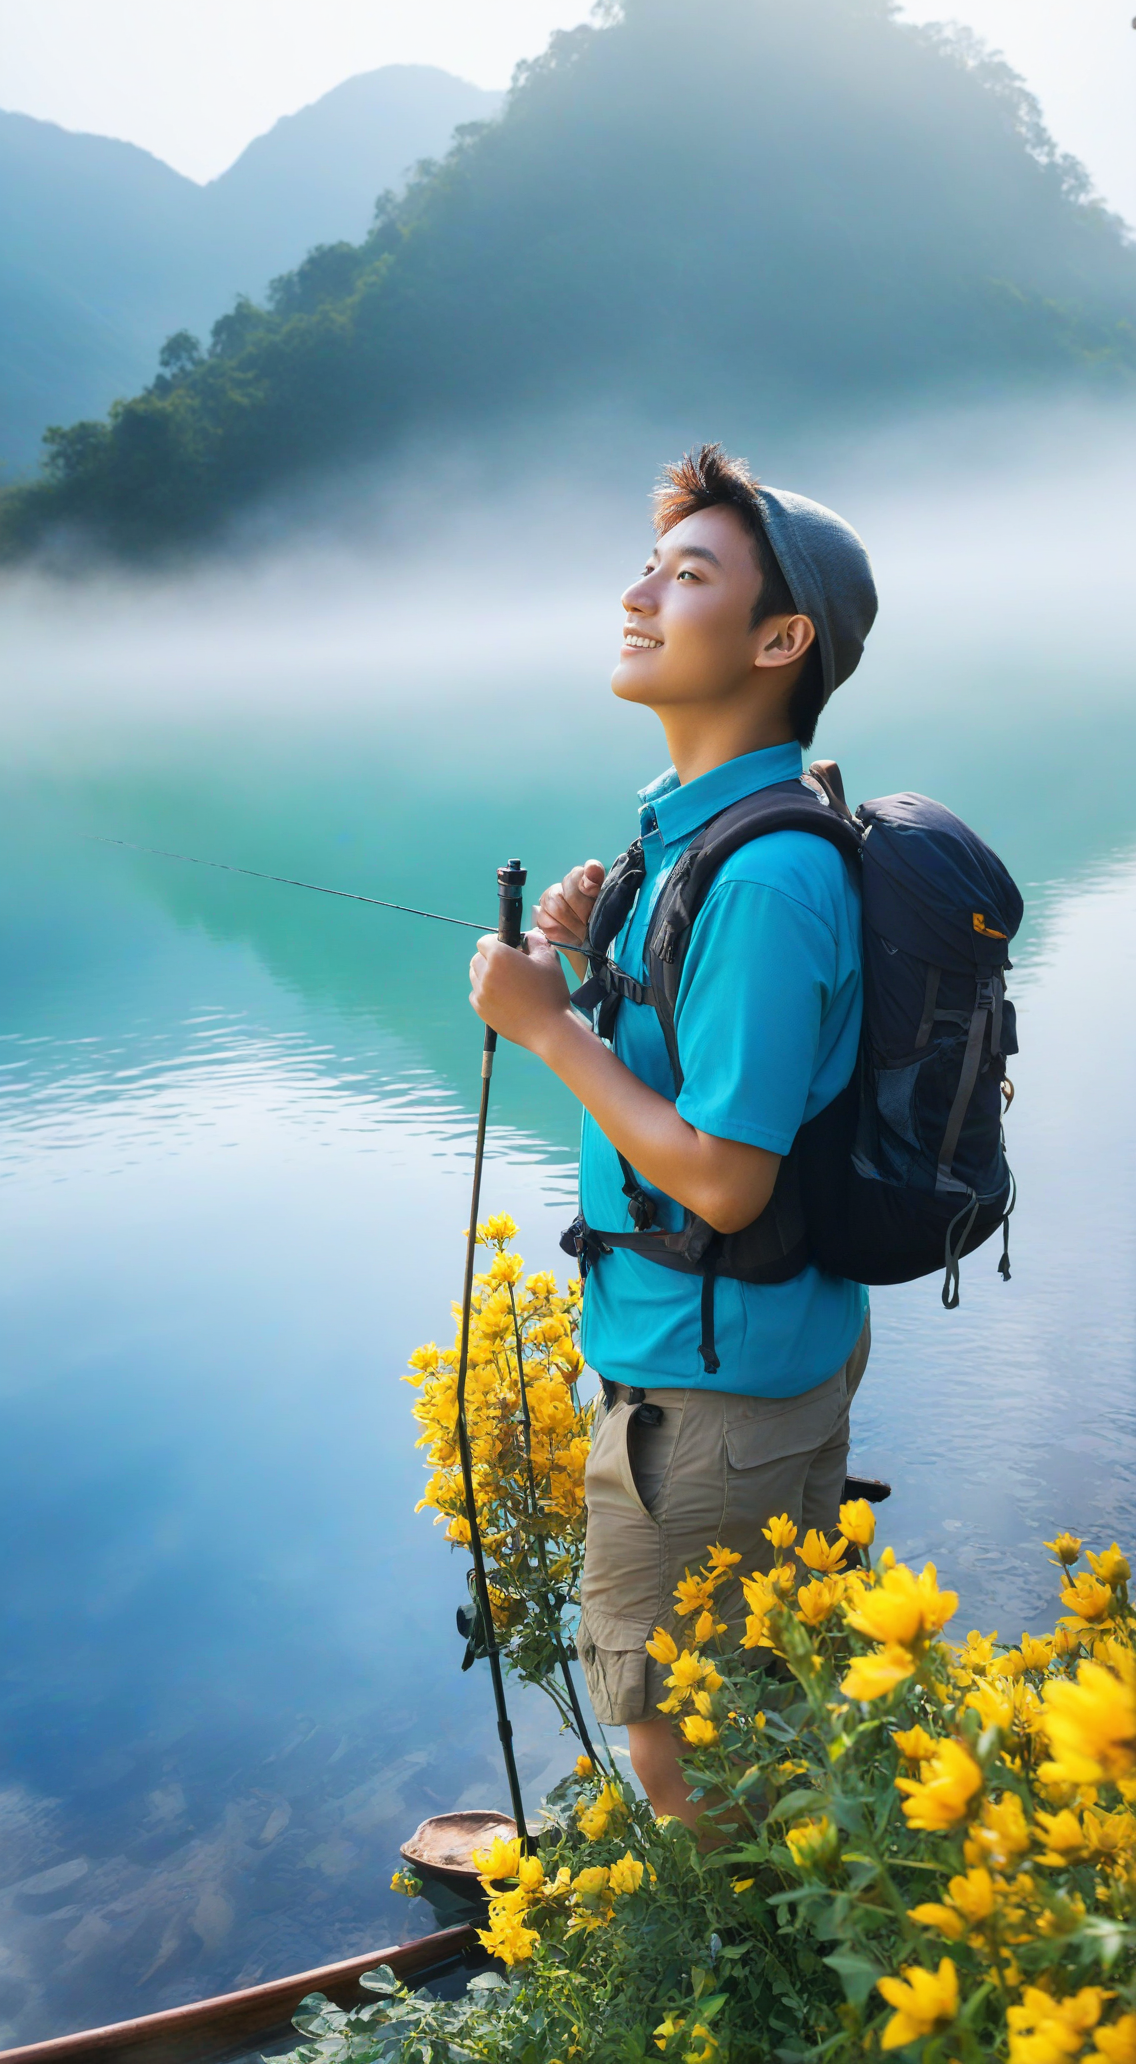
point(811, 803)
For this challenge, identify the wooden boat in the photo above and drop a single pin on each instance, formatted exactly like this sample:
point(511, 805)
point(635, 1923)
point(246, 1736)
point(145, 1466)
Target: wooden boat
point(259, 2014)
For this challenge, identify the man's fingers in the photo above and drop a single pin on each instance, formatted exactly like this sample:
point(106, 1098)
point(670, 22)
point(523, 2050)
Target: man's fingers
point(556, 917)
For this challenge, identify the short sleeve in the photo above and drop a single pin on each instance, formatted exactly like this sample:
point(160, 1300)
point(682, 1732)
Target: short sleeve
point(760, 973)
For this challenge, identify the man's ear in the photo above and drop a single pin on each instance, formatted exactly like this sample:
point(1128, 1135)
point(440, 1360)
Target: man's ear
point(783, 640)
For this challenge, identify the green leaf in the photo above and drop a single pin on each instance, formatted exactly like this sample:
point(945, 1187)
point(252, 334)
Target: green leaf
point(380, 1980)
point(857, 1974)
point(800, 1801)
point(707, 2008)
point(488, 1981)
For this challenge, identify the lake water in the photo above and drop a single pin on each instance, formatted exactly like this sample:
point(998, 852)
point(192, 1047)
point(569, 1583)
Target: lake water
point(237, 1128)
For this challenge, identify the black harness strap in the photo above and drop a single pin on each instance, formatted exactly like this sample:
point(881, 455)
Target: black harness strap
point(775, 1247)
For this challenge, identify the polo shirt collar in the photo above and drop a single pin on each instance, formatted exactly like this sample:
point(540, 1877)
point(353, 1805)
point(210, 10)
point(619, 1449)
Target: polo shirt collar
point(677, 810)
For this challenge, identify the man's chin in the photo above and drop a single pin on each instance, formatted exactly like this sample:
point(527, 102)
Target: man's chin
point(631, 682)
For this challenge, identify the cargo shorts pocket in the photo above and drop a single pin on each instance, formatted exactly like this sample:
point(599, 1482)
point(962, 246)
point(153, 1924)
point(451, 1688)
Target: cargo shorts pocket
point(769, 1446)
point(623, 1548)
point(609, 1480)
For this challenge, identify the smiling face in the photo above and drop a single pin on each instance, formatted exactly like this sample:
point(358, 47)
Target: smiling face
point(689, 636)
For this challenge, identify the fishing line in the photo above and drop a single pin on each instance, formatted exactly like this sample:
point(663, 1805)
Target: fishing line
point(289, 882)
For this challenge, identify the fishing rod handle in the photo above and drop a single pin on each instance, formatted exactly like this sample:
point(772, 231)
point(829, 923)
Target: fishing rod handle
point(511, 881)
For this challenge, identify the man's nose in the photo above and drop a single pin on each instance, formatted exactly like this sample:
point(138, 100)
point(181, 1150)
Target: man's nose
point(638, 599)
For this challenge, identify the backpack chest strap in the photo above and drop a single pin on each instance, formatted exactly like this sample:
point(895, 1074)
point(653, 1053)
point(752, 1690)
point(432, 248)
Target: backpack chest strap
point(606, 981)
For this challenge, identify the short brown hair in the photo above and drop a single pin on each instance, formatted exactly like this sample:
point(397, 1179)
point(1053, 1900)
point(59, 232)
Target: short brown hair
point(707, 478)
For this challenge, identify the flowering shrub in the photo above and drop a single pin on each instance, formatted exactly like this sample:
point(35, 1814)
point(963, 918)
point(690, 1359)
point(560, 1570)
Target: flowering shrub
point(529, 1441)
point(907, 1845)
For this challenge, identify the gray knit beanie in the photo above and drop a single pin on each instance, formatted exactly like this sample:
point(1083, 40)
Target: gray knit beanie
point(829, 576)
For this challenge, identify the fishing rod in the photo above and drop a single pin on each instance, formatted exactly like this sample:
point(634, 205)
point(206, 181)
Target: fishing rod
point(511, 880)
point(510, 885)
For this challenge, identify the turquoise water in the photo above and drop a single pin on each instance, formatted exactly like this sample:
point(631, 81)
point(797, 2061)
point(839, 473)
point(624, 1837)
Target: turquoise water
point(237, 1125)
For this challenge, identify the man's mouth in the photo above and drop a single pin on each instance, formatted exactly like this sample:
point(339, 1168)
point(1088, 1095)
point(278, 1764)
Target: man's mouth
point(639, 643)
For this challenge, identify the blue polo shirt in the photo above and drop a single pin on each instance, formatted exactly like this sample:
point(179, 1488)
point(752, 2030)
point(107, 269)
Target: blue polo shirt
point(768, 1024)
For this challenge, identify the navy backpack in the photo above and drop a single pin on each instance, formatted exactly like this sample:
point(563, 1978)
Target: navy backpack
point(905, 1171)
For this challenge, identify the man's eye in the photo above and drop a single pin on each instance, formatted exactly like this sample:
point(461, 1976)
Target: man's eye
point(687, 574)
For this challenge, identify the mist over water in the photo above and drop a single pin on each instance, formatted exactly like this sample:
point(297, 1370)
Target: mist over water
point(237, 1125)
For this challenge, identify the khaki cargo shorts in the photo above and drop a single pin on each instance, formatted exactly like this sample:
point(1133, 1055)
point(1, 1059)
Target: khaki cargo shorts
point(717, 1467)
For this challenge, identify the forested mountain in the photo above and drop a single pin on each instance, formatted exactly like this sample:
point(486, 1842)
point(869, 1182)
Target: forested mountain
point(104, 250)
point(784, 205)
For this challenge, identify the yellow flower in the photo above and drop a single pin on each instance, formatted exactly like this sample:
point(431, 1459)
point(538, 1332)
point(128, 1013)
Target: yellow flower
point(706, 1626)
point(710, 2046)
point(1109, 1837)
point(1089, 1600)
point(942, 1796)
point(692, 1594)
point(1000, 1835)
point(505, 1268)
point(1066, 1548)
point(626, 1874)
point(915, 1745)
point(584, 1766)
point(970, 1901)
point(722, 1559)
point(818, 1554)
point(994, 1703)
point(757, 1634)
point(404, 1883)
point(701, 1734)
point(594, 1819)
point(818, 1600)
point(667, 2028)
point(1110, 1566)
point(1091, 1725)
point(530, 1874)
point(780, 1533)
point(742, 1884)
point(500, 1861)
point(813, 1844)
point(591, 1882)
point(1063, 1836)
point(1044, 2030)
point(1036, 1651)
point(858, 1522)
point(690, 1673)
point(903, 1608)
point(662, 1646)
point(1115, 2042)
point(497, 1231)
point(508, 1938)
point(943, 1919)
point(923, 2001)
point(874, 1676)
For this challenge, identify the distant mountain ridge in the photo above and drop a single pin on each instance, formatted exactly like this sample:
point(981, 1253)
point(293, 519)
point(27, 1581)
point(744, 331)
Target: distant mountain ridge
point(104, 249)
point(781, 214)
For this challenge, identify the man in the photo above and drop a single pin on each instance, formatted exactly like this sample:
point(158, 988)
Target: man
point(752, 609)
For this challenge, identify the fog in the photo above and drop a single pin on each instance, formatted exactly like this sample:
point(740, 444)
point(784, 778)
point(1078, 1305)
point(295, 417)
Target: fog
point(1001, 539)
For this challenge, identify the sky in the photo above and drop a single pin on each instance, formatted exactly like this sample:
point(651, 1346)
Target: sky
point(195, 80)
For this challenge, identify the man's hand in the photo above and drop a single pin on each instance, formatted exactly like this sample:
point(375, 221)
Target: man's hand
point(565, 909)
point(523, 995)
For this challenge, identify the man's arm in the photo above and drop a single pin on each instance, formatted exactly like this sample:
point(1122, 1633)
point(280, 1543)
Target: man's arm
point(524, 996)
